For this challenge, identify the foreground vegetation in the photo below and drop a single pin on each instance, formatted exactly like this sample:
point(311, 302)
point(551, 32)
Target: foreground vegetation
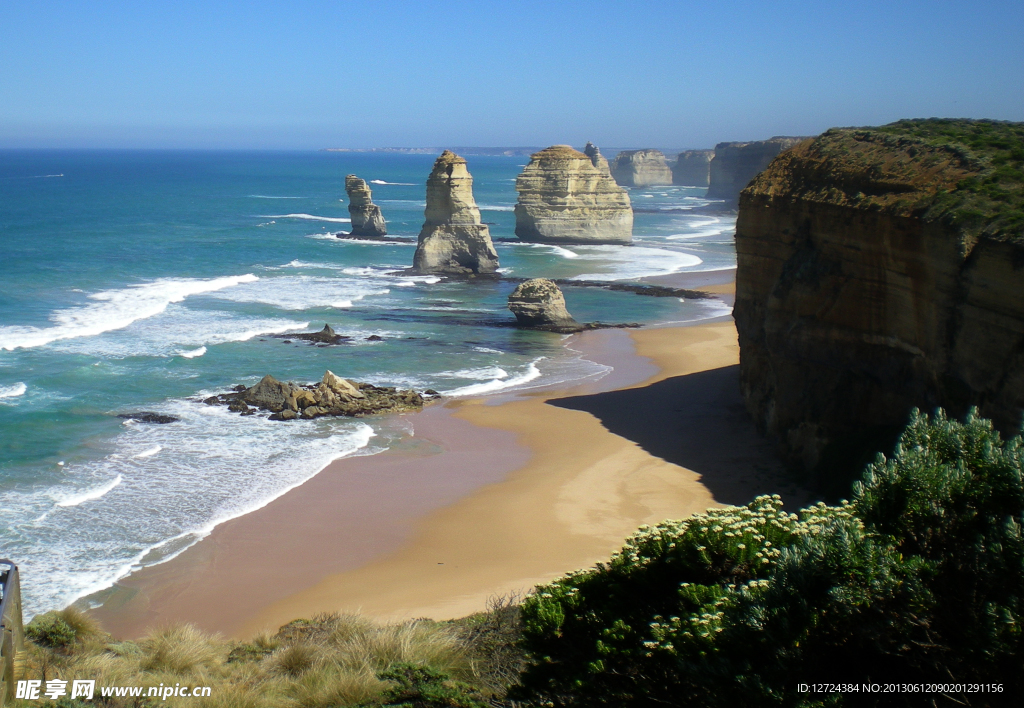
point(918, 580)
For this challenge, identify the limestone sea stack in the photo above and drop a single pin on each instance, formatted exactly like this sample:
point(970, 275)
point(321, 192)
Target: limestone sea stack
point(692, 168)
point(540, 303)
point(735, 164)
point(596, 158)
point(366, 217)
point(452, 239)
point(875, 274)
point(565, 198)
point(641, 168)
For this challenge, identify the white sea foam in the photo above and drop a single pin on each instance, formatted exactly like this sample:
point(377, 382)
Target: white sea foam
point(488, 207)
point(499, 383)
point(485, 373)
point(632, 262)
point(308, 217)
point(115, 309)
point(557, 250)
point(163, 503)
point(399, 184)
point(150, 452)
point(14, 391)
point(179, 331)
point(304, 292)
point(91, 495)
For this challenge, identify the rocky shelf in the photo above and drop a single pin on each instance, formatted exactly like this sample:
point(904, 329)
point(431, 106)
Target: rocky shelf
point(332, 396)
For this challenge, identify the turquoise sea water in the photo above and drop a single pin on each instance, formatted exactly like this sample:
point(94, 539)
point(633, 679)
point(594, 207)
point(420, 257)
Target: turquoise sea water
point(146, 281)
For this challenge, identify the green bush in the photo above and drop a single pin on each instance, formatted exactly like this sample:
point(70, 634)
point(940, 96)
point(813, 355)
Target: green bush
point(920, 579)
point(423, 687)
point(50, 630)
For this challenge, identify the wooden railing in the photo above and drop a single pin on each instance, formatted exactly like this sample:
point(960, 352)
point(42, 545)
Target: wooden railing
point(12, 647)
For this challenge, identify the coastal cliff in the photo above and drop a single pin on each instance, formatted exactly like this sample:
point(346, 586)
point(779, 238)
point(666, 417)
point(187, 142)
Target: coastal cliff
point(596, 158)
point(735, 164)
point(878, 270)
point(565, 198)
point(453, 240)
point(366, 217)
point(692, 168)
point(641, 168)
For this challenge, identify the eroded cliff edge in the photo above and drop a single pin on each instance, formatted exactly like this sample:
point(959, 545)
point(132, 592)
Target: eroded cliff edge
point(878, 270)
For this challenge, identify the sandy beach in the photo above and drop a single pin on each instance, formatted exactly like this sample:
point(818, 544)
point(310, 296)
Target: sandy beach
point(489, 496)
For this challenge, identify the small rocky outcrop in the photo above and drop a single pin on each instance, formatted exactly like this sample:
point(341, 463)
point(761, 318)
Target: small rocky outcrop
point(325, 336)
point(540, 303)
point(596, 158)
point(641, 168)
point(565, 198)
point(453, 240)
point(366, 217)
point(735, 164)
point(874, 276)
point(332, 396)
point(692, 168)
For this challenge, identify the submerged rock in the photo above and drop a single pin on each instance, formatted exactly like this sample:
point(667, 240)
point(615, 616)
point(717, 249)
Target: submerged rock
point(366, 217)
point(325, 336)
point(540, 303)
point(149, 417)
point(692, 168)
point(453, 239)
point(566, 196)
point(641, 168)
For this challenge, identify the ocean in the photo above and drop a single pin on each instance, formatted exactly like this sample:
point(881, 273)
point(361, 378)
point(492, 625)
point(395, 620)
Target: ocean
point(147, 281)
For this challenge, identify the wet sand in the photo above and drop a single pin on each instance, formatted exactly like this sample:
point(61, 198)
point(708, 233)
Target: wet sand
point(490, 496)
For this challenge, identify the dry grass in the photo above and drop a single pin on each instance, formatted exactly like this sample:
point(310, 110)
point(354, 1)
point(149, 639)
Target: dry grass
point(331, 660)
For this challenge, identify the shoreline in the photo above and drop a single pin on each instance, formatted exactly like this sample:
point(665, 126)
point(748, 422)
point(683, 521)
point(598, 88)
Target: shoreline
point(480, 501)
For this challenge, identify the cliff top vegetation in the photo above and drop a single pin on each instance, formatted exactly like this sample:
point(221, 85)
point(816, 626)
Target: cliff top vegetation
point(968, 173)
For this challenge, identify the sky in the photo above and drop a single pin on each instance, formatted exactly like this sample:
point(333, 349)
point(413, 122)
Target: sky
point(310, 75)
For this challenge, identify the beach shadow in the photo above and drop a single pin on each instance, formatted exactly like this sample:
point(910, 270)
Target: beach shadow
point(697, 421)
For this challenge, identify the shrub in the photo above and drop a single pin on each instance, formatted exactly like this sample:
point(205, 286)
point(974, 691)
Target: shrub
point(920, 579)
point(50, 630)
point(423, 687)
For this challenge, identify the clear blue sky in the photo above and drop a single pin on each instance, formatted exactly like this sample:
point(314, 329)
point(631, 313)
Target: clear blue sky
point(350, 73)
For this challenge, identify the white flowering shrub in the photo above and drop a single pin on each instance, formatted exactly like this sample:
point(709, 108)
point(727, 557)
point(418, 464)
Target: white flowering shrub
point(737, 605)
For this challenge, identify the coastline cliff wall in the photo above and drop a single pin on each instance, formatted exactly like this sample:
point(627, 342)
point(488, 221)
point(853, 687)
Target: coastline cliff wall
point(735, 164)
point(881, 270)
point(692, 168)
point(641, 168)
point(566, 196)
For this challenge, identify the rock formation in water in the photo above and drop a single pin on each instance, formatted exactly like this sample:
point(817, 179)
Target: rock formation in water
point(692, 168)
point(641, 168)
point(564, 198)
point(879, 270)
point(540, 303)
point(735, 164)
point(366, 217)
point(596, 158)
point(333, 396)
point(452, 239)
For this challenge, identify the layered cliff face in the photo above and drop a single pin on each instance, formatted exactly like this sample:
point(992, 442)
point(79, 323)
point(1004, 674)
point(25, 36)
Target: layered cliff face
point(641, 168)
point(564, 198)
point(452, 239)
point(879, 270)
point(735, 164)
point(366, 217)
point(692, 168)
